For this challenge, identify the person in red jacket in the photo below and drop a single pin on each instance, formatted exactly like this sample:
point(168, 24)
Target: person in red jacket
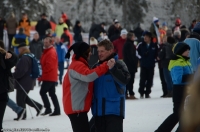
point(78, 86)
point(49, 63)
point(119, 43)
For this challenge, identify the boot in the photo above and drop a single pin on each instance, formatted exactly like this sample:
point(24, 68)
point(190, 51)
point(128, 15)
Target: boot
point(55, 114)
point(47, 111)
point(39, 110)
point(147, 96)
point(132, 97)
point(20, 115)
point(170, 94)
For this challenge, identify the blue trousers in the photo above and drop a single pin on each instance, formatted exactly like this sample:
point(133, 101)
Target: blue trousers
point(14, 106)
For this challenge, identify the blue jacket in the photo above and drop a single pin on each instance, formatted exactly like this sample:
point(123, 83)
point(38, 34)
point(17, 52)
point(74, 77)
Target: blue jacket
point(109, 91)
point(180, 69)
point(61, 52)
point(148, 54)
point(194, 51)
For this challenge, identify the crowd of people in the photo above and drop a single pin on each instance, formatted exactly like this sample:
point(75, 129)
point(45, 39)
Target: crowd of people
point(102, 72)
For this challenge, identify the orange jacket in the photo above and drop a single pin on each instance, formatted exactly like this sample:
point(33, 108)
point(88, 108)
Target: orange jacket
point(26, 25)
point(49, 63)
point(78, 85)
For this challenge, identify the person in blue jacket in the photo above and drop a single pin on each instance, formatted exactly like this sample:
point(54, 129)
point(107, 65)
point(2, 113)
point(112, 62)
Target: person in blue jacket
point(181, 71)
point(61, 50)
point(108, 105)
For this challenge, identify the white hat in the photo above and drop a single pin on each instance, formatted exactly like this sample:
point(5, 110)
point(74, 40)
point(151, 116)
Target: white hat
point(93, 41)
point(123, 31)
point(155, 19)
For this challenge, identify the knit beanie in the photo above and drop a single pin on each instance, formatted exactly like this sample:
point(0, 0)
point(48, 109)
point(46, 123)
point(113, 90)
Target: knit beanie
point(196, 28)
point(93, 41)
point(80, 49)
point(123, 31)
point(180, 48)
point(155, 19)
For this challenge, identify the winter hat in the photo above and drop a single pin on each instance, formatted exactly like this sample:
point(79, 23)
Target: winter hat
point(116, 21)
point(177, 33)
point(123, 31)
point(21, 45)
point(155, 19)
point(80, 50)
point(93, 41)
point(196, 28)
point(164, 24)
point(147, 33)
point(180, 48)
point(178, 22)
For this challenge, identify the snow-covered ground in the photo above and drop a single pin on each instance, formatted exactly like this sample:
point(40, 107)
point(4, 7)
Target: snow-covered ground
point(142, 115)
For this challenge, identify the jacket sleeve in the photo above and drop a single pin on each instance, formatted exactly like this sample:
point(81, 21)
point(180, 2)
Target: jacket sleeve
point(21, 68)
point(12, 61)
point(14, 42)
point(120, 73)
point(83, 73)
point(162, 53)
point(49, 64)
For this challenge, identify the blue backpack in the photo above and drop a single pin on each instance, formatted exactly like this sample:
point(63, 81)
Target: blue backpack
point(36, 66)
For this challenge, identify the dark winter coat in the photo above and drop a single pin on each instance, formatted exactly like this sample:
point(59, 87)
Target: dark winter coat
point(95, 31)
point(165, 54)
point(5, 70)
point(184, 32)
point(23, 72)
point(129, 54)
point(2, 25)
point(113, 33)
point(94, 57)
point(11, 25)
point(36, 47)
point(138, 33)
point(77, 34)
point(148, 54)
point(42, 26)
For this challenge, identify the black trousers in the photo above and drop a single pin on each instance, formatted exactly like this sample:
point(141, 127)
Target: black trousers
point(171, 121)
point(79, 122)
point(129, 86)
point(163, 82)
point(49, 87)
point(3, 103)
point(10, 37)
point(146, 80)
point(23, 99)
point(109, 123)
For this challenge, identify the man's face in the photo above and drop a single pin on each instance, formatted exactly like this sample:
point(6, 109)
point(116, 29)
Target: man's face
point(103, 53)
point(47, 42)
point(147, 39)
point(61, 20)
point(117, 25)
point(36, 36)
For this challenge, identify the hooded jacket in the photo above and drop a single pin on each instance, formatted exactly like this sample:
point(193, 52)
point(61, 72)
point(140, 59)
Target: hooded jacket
point(78, 85)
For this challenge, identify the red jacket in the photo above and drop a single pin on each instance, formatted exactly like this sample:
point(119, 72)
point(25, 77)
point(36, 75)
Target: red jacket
point(49, 63)
point(78, 85)
point(119, 44)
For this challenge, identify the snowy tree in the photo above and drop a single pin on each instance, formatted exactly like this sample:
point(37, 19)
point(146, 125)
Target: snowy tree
point(34, 8)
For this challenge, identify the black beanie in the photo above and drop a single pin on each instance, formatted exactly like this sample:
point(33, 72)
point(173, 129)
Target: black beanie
point(79, 49)
point(180, 48)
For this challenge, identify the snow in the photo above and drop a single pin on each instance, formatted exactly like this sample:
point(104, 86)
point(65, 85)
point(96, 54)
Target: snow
point(142, 115)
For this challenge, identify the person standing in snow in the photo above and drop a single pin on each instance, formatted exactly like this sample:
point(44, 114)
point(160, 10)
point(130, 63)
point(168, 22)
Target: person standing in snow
point(36, 46)
point(42, 25)
point(61, 50)
point(177, 25)
point(108, 106)
point(181, 70)
point(154, 29)
point(131, 61)
point(25, 24)
point(94, 56)
point(24, 80)
point(114, 30)
point(138, 31)
point(77, 32)
point(194, 42)
point(78, 85)
point(49, 63)
point(7, 61)
point(11, 25)
point(59, 27)
point(119, 43)
point(148, 52)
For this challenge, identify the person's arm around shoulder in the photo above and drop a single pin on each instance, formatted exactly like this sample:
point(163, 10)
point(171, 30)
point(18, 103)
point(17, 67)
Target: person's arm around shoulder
point(10, 59)
point(120, 73)
point(84, 73)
